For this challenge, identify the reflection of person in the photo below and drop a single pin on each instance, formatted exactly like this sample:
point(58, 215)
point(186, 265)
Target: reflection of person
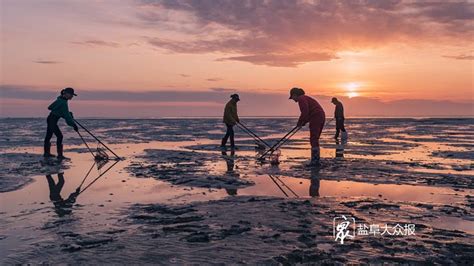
point(313, 113)
point(231, 191)
point(315, 183)
point(62, 206)
point(58, 108)
point(339, 149)
point(339, 117)
point(230, 162)
point(231, 118)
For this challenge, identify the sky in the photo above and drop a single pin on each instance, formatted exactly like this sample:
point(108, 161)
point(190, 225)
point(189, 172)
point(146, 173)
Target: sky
point(151, 58)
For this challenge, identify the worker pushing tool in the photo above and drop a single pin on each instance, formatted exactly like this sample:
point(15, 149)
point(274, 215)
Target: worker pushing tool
point(59, 109)
point(339, 117)
point(231, 118)
point(312, 113)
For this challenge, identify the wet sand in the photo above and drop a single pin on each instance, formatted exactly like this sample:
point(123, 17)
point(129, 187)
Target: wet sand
point(178, 198)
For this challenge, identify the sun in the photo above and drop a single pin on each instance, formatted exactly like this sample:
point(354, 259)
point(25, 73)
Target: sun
point(351, 89)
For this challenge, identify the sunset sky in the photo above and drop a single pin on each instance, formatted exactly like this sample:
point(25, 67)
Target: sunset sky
point(145, 58)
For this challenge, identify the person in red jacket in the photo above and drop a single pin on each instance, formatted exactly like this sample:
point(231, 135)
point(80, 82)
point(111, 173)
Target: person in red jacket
point(313, 113)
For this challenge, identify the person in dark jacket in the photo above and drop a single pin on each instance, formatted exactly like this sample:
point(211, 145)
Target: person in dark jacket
point(339, 117)
point(313, 113)
point(231, 118)
point(59, 109)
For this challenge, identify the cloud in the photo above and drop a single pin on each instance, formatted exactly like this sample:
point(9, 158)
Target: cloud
point(279, 60)
point(445, 12)
point(176, 95)
point(213, 79)
point(223, 90)
point(289, 33)
point(460, 57)
point(47, 62)
point(120, 104)
point(95, 43)
point(184, 75)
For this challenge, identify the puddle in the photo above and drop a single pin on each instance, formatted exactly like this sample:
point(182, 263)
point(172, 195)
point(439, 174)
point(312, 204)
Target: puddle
point(118, 188)
point(189, 170)
point(454, 223)
point(264, 186)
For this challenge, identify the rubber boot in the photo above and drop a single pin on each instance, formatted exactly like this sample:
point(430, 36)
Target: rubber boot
point(60, 153)
point(339, 149)
point(223, 142)
point(315, 157)
point(344, 136)
point(47, 150)
point(232, 143)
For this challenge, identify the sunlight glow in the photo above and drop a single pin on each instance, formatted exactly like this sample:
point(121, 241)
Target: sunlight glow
point(351, 89)
point(352, 94)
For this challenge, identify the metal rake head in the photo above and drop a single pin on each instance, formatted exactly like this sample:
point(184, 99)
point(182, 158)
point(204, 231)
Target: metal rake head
point(101, 155)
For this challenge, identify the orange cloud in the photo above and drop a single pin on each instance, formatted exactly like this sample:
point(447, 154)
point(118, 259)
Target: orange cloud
point(93, 43)
point(288, 33)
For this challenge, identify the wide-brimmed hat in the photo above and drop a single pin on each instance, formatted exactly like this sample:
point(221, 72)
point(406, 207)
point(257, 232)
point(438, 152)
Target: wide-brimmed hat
point(296, 91)
point(70, 91)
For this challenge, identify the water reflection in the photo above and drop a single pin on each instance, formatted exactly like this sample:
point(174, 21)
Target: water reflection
point(64, 206)
point(61, 206)
point(315, 183)
point(284, 188)
point(231, 191)
point(100, 165)
point(340, 145)
point(230, 162)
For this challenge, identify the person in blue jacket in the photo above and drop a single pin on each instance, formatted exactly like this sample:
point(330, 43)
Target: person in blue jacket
point(59, 109)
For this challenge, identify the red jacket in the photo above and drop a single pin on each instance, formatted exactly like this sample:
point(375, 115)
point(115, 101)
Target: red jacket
point(310, 110)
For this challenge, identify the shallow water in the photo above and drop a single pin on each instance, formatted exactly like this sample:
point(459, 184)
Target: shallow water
point(400, 169)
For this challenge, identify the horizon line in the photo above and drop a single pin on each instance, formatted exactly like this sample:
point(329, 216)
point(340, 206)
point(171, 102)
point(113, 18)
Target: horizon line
point(250, 117)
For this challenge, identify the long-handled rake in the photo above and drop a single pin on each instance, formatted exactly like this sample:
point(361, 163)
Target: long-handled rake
point(101, 155)
point(287, 139)
point(87, 145)
point(327, 123)
point(262, 143)
point(282, 141)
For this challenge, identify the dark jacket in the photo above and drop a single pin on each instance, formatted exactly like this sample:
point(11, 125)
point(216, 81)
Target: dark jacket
point(339, 112)
point(230, 113)
point(59, 108)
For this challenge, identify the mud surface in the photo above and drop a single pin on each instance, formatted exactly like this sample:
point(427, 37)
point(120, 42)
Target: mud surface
point(18, 168)
point(179, 198)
